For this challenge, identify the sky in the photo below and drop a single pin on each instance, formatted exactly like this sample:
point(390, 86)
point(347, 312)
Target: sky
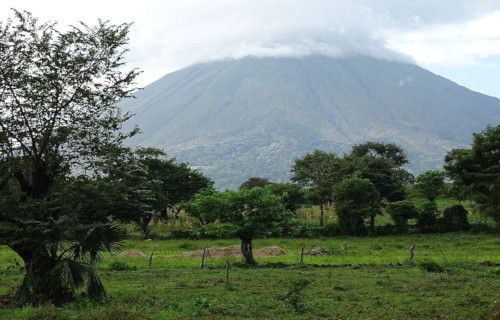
point(457, 39)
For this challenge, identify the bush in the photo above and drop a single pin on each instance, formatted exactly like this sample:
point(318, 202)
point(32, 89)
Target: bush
point(401, 212)
point(427, 217)
point(455, 218)
point(121, 266)
point(431, 266)
point(293, 296)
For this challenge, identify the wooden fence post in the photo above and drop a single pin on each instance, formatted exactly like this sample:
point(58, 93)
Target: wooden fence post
point(151, 258)
point(227, 271)
point(203, 257)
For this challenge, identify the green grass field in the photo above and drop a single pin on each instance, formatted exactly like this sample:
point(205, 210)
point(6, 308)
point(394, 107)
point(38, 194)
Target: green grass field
point(360, 278)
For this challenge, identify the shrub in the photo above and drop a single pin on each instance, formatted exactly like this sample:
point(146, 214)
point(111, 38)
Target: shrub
point(293, 296)
point(427, 216)
point(355, 200)
point(431, 266)
point(455, 217)
point(401, 212)
point(121, 266)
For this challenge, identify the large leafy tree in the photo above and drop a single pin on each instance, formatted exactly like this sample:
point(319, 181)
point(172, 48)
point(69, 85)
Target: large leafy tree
point(318, 172)
point(176, 182)
point(481, 163)
point(382, 164)
point(430, 184)
point(392, 152)
point(58, 119)
point(252, 211)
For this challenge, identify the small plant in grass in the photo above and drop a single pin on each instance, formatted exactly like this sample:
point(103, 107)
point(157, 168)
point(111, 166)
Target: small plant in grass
point(494, 272)
point(121, 266)
point(293, 297)
point(201, 305)
point(431, 266)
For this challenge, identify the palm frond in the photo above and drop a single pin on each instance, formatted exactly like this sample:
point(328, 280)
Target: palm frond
point(73, 273)
point(99, 238)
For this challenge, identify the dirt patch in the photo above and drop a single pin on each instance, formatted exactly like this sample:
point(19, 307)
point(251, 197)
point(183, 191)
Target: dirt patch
point(234, 251)
point(315, 251)
point(132, 253)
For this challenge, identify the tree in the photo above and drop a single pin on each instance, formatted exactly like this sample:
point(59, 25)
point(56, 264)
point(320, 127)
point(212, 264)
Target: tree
point(58, 119)
point(318, 172)
point(252, 211)
point(255, 182)
point(176, 182)
point(477, 165)
point(132, 189)
point(355, 199)
point(430, 184)
point(147, 183)
point(293, 195)
point(392, 152)
point(206, 206)
point(382, 165)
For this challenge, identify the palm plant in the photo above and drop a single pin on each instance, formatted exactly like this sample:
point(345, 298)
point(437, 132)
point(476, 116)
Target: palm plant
point(488, 201)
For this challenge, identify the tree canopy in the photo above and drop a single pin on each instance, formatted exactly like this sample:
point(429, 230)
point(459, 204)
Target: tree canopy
point(479, 164)
point(430, 184)
point(381, 164)
point(252, 211)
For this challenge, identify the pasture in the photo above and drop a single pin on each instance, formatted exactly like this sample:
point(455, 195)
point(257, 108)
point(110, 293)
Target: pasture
point(452, 276)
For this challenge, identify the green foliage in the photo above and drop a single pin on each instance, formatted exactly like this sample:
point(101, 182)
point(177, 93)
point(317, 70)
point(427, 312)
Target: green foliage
point(206, 206)
point(121, 266)
point(382, 165)
point(176, 183)
point(253, 212)
point(293, 296)
point(355, 200)
point(477, 165)
point(427, 216)
point(488, 202)
point(255, 182)
point(430, 184)
point(455, 217)
point(401, 212)
point(293, 195)
point(431, 266)
point(392, 152)
point(318, 172)
point(58, 118)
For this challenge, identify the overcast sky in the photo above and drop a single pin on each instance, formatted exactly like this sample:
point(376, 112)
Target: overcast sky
point(458, 39)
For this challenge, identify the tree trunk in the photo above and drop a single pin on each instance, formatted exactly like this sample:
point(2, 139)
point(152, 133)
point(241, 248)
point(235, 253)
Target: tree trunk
point(322, 213)
point(144, 225)
point(247, 251)
point(372, 222)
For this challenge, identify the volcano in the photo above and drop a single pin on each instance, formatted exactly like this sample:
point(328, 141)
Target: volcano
point(251, 117)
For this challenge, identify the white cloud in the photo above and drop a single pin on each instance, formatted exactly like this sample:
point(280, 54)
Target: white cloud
point(168, 35)
point(452, 44)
